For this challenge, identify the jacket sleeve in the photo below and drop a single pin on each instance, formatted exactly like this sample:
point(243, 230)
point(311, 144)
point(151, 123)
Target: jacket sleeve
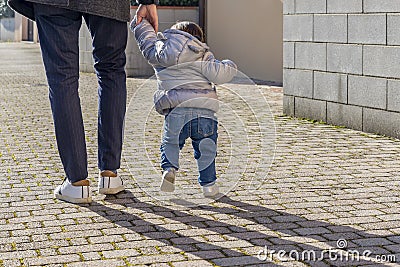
point(146, 39)
point(216, 71)
point(157, 49)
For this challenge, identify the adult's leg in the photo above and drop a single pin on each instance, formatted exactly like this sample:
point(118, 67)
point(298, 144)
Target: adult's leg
point(109, 42)
point(58, 33)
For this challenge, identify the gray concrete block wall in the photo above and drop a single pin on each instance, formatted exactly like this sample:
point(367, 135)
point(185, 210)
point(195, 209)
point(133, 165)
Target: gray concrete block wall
point(310, 6)
point(310, 56)
point(367, 29)
point(381, 61)
point(367, 91)
point(341, 63)
point(298, 82)
point(292, 31)
point(383, 6)
point(344, 115)
point(393, 95)
point(310, 108)
point(288, 55)
point(330, 87)
point(393, 29)
point(344, 58)
point(344, 6)
point(330, 28)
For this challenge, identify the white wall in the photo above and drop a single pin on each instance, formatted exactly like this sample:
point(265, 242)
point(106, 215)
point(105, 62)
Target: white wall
point(248, 32)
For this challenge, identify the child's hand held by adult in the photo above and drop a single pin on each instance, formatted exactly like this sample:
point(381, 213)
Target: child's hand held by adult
point(148, 12)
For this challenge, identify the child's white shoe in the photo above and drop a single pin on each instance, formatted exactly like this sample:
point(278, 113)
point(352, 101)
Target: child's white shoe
point(168, 180)
point(110, 183)
point(210, 190)
point(79, 193)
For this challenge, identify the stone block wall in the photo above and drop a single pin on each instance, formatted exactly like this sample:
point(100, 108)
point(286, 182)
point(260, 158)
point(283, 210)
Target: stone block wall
point(342, 63)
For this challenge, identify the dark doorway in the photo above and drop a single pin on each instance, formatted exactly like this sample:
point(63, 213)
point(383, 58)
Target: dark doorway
point(30, 31)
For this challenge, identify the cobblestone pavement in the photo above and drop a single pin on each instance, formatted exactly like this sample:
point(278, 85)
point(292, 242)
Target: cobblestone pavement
point(330, 191)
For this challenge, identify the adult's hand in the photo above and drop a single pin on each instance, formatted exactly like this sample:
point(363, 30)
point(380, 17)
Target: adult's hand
point(148, 12)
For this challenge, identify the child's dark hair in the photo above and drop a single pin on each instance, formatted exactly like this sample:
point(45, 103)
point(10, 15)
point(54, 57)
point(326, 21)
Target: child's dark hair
point(190, 27)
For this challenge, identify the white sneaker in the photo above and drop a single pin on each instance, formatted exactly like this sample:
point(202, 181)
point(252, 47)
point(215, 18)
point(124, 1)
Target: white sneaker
point(77, 194)
point(210, 190)
point(168, 180)
point(110, 183)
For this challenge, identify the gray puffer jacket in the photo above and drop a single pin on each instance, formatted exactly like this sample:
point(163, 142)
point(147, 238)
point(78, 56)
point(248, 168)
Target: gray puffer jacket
point(186, 70)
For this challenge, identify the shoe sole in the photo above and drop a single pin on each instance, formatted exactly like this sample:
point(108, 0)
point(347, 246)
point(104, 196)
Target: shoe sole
point(208, 195)
point(111, 191)
point(73, 200)
point(211, 194)
point(167, 185)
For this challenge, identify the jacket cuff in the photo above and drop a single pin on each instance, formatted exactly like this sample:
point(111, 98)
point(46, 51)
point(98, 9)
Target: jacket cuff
point(147, 2)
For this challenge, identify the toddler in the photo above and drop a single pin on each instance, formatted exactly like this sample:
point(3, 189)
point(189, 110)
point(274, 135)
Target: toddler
point(186, 74)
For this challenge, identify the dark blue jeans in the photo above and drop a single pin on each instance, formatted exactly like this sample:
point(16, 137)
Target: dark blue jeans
point(59, 41)
point(201, 126)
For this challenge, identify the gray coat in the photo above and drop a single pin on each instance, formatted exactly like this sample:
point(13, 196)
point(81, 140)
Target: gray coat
point(186, 70)
point(114, 9)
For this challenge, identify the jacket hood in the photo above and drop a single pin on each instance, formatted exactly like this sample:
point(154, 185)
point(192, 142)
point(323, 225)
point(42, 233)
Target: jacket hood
point(187, 48)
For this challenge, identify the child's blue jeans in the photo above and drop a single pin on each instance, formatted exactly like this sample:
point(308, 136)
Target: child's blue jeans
point(201, 126)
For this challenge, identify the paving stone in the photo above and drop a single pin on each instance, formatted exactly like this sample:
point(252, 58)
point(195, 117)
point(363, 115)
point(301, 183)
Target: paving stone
point(236, 261)
point(17, 254)
point(98, 263)
point(120, 253)
point(85, 248)
point(52, 260)
point(165, 258)
point(90, 256)
point(192, 263)
point(326, 183)
point(11, 263)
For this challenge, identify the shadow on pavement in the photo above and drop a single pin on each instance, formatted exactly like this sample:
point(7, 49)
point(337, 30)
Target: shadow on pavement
point(291, 229)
